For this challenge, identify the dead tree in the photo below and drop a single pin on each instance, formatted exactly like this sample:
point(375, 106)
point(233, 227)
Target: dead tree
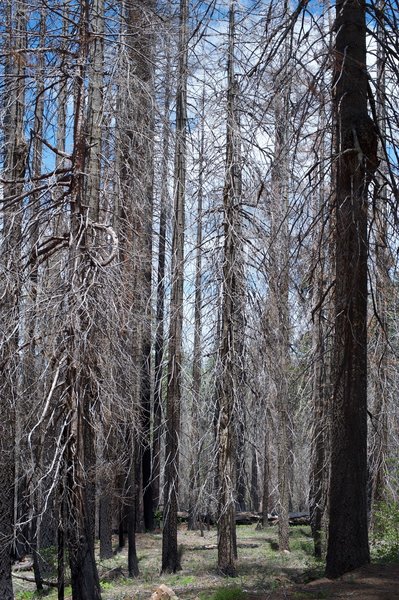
point(230, 324)
point(170, 555)
point(15, 158)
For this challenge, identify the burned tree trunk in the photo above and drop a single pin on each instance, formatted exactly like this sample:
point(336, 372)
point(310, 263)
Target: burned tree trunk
point(231, 325)
point(160, 303)
point(356, 157)
point(197, 358)
point(170, 555)
point(14, 172)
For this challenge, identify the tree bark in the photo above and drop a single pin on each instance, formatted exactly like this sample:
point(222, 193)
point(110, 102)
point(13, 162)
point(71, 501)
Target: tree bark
point(80, 382)
point(195, 461)
point(140, 116)
point(14, 172)
point(321, 325)
point(266, 478)
point(160, 304)
point(132, 498)
point(278, 305)
point(170, 555)
point(382, 291)
point(254, 482)
point(356, 157)
point(231, 348)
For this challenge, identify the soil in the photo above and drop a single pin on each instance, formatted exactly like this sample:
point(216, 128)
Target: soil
point(372, 582)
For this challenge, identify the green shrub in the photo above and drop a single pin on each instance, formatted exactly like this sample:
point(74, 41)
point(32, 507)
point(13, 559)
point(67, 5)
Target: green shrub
point(25, 595)
point(106, 586)
point(385, 544)
point(158, 518)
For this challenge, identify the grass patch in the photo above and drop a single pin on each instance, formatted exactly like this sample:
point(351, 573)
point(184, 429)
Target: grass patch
point(225, 593)
point(183, 580)
point(309, 595)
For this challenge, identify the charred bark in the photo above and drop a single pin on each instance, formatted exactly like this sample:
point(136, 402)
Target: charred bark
point(170, 554)
point(356, 156)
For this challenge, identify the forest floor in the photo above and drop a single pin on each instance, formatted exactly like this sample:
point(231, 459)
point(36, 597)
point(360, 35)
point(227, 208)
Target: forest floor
point(263, 572)
point(373, 582)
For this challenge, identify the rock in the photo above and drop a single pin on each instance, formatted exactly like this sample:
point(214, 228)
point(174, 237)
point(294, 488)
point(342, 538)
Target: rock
point(163, 592)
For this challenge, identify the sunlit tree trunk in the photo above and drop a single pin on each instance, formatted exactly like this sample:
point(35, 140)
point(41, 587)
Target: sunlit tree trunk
point(160, 303)
point(254, 481)
point(278, 309)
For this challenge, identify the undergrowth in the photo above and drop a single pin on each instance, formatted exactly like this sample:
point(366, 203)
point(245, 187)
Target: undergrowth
point(261, 567)
point(385, 537)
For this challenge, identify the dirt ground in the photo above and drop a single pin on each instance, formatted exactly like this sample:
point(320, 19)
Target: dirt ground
point(373, 582)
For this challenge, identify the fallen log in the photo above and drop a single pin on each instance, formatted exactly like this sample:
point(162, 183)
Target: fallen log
point(32, 580)
point(23, 566)
point(112, 574)
point(214, 546)
point(249, 518)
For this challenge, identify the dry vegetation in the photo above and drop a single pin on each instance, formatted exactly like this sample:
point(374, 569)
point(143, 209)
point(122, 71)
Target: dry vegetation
point(262, 568)
point(264, 573)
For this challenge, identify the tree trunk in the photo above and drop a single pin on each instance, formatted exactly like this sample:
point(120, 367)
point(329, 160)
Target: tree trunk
point(132, 497)
point(321, 317)
point(278, 305)
point(105, 526)
point(140, 181)
point(14, 172)
point(30, 362)
point(356, 149)
point(318, 467)
point(241, 466)
point(170, 555)
point(230, 352)
point(80, 382)
point(382, 291)
point(160, 305)
point(254, 482)
point(195, 461)
point(266, 478)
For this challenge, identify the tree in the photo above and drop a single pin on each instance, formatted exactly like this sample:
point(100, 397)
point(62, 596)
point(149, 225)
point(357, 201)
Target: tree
point(321, 266)
point(230, 334)
point(160, 302)
point(278, 297)
point(170, 554)
point(15, 157)
point(81, 389)
point(381, 293)
point(356, 161)
point(197, 358)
